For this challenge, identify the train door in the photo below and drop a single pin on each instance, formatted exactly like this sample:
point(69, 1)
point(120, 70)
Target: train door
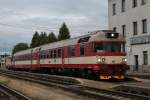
point(38, 57)
point(62, 56)
point(136, 62)
point(35, 59)
point(31, 56)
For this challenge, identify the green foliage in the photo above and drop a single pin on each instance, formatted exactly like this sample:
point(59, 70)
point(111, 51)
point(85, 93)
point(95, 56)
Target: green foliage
point(40, 39)
point(43, 38)
point(35, 40)
point(20, 47)
point(51, 38)
point(63, 32)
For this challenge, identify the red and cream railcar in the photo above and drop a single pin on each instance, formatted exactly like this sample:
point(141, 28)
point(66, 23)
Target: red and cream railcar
point(98, 53)
point(22, 60)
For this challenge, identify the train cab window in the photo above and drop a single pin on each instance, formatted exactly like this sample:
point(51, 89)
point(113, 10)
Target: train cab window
point(82, 50)
point(98, 47)
point(71, 50)
point(107, 47)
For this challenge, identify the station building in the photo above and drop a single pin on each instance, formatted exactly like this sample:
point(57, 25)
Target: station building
point(3, 57)
point(132, 19)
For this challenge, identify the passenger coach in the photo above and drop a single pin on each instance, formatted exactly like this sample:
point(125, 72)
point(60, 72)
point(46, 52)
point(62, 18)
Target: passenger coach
point(100, 53)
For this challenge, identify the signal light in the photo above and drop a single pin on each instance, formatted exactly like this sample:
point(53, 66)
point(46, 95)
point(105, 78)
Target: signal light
point(112, 35)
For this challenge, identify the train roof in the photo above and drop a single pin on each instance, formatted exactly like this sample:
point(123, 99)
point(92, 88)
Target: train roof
point(91, 37)
point(23, 52)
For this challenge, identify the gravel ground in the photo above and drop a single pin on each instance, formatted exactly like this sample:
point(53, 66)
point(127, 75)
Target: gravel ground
point(141, 82)
point(39, 92)
point(97, 84)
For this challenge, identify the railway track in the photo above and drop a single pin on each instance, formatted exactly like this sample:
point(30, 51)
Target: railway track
point(7, 93)
point(74, 86)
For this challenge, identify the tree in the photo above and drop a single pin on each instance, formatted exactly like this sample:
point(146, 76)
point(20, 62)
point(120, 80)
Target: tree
point(43, 38)
point(35, 40)
point(63, 32)
point(51, 38)
point(20, 47)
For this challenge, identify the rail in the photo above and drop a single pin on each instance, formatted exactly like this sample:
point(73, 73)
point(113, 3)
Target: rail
point(11, 94)
point(77, 88)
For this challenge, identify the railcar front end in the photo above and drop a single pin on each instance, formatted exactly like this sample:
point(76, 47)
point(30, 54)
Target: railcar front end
point(110, 58)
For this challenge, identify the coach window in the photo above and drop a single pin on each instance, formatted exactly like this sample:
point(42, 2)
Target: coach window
point(48, 53)
point(55, 55)
point(24, 57)
point(59, 53)
point(41, 56)
point(82, 49)
point(51, 53)
point(71, 50)
point(45, 56)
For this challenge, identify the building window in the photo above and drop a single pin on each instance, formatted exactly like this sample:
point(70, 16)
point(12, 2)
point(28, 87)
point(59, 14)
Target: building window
point(124, 30)
point(115, 29)
point(135, 28)
point(143, 2)
point(134, 3)
point(144, 23)
point(123, 6)
point(114, 9)
point(145, 57)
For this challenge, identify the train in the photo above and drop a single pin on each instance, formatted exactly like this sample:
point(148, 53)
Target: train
point(98, 54)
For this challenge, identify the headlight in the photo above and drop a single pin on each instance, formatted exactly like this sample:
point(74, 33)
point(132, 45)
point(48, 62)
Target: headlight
point(112, 35)
point(124, 59)
point(101, 60)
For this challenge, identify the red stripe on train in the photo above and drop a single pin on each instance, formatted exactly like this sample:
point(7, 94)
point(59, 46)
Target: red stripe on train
point(95, 66)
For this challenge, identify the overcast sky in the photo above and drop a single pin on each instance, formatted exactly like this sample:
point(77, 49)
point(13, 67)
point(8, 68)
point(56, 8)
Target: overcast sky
point(20, 18)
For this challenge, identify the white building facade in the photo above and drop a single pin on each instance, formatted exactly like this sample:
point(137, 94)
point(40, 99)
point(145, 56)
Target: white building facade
point(132, 19)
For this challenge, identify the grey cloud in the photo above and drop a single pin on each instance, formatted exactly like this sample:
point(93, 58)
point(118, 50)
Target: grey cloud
point(23, 17)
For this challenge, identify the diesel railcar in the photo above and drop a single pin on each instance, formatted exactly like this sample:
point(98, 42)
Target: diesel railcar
point(99, 53)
